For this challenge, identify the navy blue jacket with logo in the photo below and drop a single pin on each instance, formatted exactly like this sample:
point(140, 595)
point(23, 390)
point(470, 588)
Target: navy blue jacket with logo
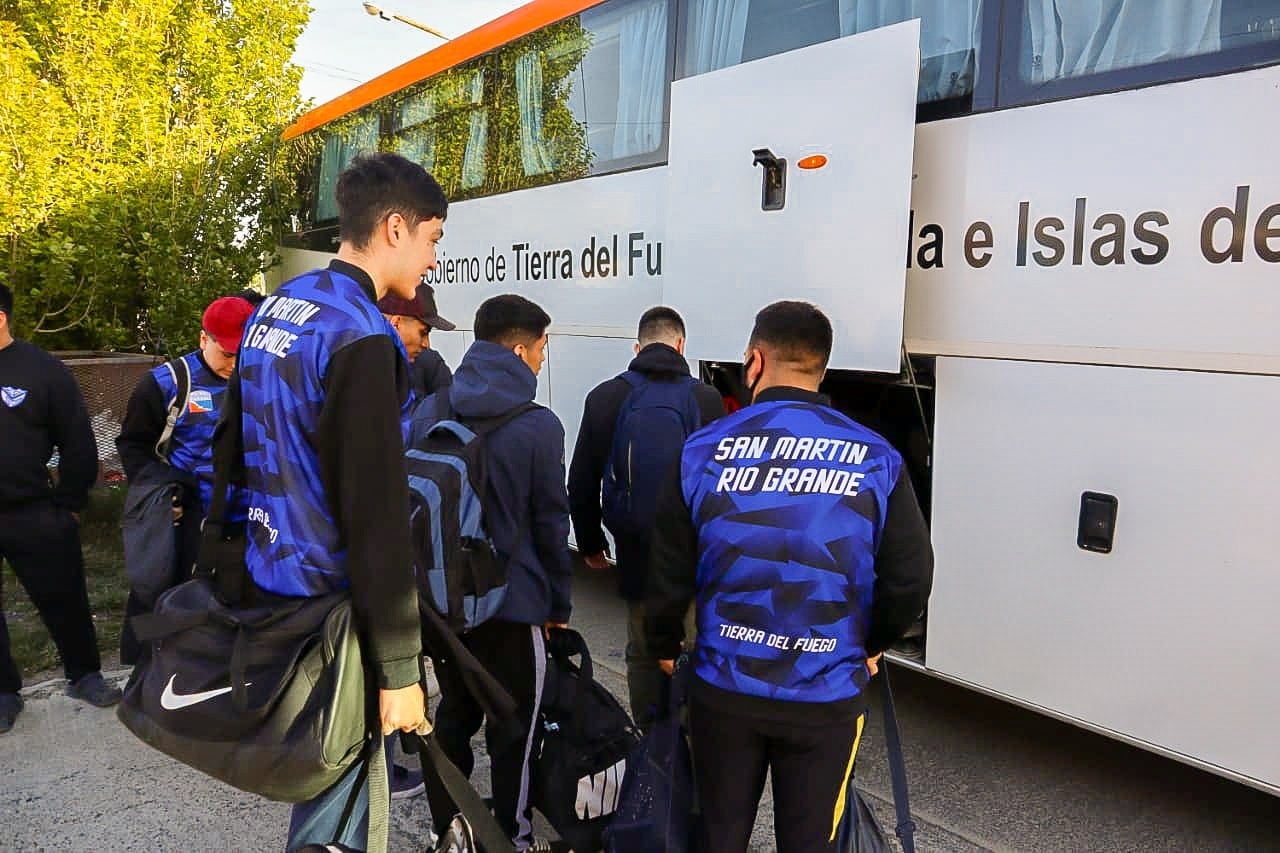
point(324, 382)
point(526, 507)
point(41, 408)
point(798, 533)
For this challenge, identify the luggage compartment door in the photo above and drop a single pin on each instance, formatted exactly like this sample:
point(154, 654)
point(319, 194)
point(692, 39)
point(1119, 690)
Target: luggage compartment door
point(1165, 634)
point(841, 114)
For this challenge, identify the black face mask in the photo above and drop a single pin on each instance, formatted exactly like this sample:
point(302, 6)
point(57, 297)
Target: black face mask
point(750, 386)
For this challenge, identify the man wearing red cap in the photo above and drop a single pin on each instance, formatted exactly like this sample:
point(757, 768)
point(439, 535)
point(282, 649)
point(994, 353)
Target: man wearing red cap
point(414, 320)
point(186, 393)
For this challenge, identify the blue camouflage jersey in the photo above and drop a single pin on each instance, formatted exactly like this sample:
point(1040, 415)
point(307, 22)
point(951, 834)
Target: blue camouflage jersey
point(789, 500)
point(192, 442)
point(293, 539)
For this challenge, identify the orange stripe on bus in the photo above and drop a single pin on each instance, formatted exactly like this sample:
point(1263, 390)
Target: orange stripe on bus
point(498, 32)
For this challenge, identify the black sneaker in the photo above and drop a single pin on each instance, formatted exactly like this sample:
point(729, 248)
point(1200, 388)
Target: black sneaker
point(92, 689)
point(405, 783)
point(10, 707)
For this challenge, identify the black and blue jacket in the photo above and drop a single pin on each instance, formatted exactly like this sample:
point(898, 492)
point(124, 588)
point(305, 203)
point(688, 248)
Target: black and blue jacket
point(324, 384)
point(191, 454)
point(797, 532)
point(526, 506)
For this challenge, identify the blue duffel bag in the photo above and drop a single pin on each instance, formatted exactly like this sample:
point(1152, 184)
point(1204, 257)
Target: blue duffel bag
point(656, 807)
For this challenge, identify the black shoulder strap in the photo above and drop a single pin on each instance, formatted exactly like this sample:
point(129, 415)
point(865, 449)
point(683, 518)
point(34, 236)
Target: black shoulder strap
point(229, 574)
point(181, 393)
point(486, 690)
point(483, 824)
point(906, 828)
point(228, 451)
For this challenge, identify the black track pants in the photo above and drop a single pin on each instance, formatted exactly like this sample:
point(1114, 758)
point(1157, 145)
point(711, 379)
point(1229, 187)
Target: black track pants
point(41, 542)
point(809, 764)
point(515, 655)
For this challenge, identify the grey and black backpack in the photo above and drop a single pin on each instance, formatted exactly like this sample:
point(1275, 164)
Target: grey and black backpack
point(457, 568)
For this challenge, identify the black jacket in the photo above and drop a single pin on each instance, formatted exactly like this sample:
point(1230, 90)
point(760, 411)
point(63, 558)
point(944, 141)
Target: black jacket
point(591, 454)
point(41, 408)
point(429, 374)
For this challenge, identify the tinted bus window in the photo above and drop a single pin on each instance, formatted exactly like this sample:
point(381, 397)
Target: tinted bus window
point(443, 124)
point(620, 88)
point(591, 92)
point(719, 33)
point(584, 96)
point(357, 135)
point(1072, 47)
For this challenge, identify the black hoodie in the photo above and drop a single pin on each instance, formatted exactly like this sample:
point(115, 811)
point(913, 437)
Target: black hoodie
point(658, 362)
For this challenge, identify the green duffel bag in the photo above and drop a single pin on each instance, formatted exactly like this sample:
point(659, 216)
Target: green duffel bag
point(269, 698)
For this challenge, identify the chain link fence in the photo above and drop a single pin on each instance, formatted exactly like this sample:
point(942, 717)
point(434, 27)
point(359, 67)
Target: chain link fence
point(107, 381)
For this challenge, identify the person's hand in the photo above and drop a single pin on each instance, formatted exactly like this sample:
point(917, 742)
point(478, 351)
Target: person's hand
point(596, 561)
point(667, 666)
point(873, 664)
point(404, 709)
point(75, 516)
point(547, 626)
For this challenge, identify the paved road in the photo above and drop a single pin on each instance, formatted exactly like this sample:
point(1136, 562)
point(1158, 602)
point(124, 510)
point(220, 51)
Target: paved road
point(985, 775)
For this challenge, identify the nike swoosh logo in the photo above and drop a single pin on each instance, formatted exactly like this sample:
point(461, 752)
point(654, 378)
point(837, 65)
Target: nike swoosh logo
point(173, 701)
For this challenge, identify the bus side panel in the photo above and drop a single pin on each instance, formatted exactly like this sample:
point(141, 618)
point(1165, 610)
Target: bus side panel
point(582, 363)
point(589, 237)
point(1168, 639)
point(1094, 229)
point(295, 262)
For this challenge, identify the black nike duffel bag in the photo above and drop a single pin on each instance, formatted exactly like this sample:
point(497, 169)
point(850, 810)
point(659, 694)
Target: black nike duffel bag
point(269, 698)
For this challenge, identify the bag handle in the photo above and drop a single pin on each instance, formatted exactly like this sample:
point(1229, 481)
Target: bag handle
point(906, 828)
point(564, 644)
point(483, 824)
point(181, 393)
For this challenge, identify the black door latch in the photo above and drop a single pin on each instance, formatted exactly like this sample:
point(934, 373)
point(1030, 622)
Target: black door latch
point(774, 193)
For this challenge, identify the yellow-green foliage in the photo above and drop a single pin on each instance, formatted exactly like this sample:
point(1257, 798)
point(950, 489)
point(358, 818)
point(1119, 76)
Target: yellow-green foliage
point(141, 172)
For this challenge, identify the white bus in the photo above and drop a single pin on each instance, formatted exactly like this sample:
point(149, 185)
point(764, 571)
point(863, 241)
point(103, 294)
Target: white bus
point(1047, 233)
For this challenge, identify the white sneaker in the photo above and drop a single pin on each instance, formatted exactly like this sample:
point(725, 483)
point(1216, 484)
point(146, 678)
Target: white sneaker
point(457, 838)
point(433, 685)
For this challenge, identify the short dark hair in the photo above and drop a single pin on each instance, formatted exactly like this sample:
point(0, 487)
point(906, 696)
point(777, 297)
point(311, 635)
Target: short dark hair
point(375, 186)
point(251, 296)
point(658, 323)
point(6, 302)
point(797, 332)
point(510, 319)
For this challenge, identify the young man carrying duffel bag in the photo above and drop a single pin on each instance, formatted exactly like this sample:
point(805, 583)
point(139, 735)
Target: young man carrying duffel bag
point(323, 382)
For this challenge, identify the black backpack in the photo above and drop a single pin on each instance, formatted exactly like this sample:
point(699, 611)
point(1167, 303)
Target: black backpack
point(585, 741)
point(653, 423)
point(458, 570)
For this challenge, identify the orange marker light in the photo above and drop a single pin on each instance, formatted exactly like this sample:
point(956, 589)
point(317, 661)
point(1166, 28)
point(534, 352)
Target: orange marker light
point(813, 161)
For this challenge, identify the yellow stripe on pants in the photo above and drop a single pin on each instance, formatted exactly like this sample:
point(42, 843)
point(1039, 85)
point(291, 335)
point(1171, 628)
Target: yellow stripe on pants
point(838, 813)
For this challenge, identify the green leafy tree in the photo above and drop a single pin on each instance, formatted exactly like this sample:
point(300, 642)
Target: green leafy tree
point(141, 172)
